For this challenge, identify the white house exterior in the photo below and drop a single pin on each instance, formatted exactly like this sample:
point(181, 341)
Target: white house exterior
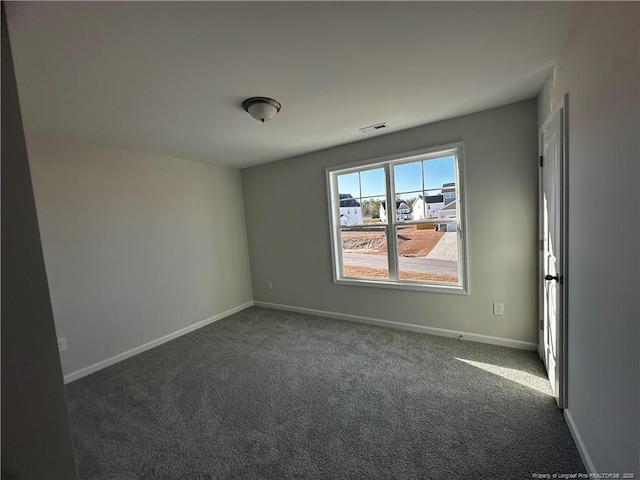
point(448, 211)
point(350, 210)
point(427, 207)
point(403, 211)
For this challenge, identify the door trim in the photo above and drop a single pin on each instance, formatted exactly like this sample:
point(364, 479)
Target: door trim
point(563, 372)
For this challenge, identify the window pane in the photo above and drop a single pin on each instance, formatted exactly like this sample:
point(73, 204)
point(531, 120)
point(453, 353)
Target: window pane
point(372, 182)
point(428, 205)
point(426, 254)
point(364, 253)
point(371, 209)
point(438, 172)
point(407, 177)
point(400, 209)
point(404, 209)
point(349, 184)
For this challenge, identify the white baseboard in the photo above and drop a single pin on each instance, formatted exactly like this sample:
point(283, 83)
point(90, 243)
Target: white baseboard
point(505, 342)
point(83, 372)
point(474, 337)
point(577, 438)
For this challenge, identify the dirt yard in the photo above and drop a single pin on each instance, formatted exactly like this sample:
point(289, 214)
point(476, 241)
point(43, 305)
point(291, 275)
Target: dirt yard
point(411, 242)
point(367, 272)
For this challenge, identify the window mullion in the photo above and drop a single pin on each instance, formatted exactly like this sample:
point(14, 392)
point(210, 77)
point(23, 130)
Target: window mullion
point(423, 193)
point(392, 239)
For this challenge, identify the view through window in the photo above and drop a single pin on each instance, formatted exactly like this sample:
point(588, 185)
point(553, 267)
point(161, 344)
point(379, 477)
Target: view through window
point(399, 221)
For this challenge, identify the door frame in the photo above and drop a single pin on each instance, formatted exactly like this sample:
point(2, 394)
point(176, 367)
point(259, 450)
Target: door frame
point(563, 287)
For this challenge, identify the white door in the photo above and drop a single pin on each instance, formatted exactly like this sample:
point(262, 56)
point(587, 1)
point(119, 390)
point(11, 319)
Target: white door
point(552, 248)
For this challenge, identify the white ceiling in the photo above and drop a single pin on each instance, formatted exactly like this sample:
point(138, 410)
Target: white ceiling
point(170, 77)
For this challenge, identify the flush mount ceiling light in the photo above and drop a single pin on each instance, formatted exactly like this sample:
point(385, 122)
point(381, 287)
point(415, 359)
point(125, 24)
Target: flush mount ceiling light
point(261, 108)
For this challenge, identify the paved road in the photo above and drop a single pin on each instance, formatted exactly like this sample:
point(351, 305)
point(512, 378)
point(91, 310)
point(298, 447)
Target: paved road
point(408, 264)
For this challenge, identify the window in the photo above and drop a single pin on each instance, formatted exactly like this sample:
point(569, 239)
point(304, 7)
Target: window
point(398, 222)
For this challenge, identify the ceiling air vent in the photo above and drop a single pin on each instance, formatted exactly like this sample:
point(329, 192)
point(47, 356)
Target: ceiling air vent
point(373, 128)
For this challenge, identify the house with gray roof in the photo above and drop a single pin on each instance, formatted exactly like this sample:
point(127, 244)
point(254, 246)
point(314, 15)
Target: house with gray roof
point(403, 211)
point(427, 206)
point(350, 210)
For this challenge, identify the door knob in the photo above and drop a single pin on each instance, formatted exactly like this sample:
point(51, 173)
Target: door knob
point(552, 277)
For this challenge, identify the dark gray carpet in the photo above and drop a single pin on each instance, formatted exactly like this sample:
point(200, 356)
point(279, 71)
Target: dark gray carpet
point(270, 394)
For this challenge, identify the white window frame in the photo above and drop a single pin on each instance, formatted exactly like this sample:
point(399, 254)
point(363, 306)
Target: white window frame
point(387, 163)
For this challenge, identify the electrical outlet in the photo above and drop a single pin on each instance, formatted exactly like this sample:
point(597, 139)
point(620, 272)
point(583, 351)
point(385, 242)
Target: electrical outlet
point(498, 308)
point(62, 344)
point(270, 285)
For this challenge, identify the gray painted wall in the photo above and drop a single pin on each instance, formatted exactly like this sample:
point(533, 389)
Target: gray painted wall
point(288, 229)
point(599, 69)
point(36, 438)
point(137, 246)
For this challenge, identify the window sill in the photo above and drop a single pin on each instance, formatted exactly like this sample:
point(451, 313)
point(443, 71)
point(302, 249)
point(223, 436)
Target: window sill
point(449, 289)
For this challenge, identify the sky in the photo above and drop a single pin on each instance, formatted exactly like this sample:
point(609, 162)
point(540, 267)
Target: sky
point(408, 178)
